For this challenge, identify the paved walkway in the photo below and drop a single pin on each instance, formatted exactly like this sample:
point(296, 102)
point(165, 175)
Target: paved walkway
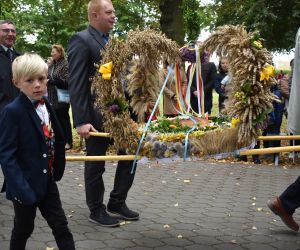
point(192, 205)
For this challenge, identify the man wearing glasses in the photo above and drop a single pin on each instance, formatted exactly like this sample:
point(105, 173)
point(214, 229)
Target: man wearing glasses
point(8, 91)
point(7, 54)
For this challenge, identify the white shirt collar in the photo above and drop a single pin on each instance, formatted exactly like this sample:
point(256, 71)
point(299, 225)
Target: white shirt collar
point(5, 48)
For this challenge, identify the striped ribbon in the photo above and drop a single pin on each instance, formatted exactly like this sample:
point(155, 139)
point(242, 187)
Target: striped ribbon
point(150, 118)
point(184, 109)
point(179, 94)
point(188, 90)
point(200, 89)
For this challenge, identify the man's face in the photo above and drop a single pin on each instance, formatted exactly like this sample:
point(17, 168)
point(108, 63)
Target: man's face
point(35, 87)
point(105, 16)
point(7, 34)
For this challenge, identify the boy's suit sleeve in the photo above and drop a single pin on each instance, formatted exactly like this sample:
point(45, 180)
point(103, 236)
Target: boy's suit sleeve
point(19, 189)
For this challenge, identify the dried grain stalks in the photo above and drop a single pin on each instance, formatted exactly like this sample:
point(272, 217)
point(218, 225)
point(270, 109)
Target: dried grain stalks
point(250, 99)
point(139, 55)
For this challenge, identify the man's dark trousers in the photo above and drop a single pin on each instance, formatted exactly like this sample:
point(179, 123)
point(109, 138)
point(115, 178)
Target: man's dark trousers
point(93, 172)
point(290, 198)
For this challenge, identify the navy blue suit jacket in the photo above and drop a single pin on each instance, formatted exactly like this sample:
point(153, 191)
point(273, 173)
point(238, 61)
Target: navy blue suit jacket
point(23, 151)
point(84, 51)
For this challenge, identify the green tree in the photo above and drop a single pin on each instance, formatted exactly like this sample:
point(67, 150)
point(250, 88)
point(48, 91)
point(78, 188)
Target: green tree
point(196, 18)
point(41, 23)
point(132, 14)
point(277, 21)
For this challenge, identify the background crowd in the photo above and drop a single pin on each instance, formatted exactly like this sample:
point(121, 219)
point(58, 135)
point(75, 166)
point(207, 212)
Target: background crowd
point(215, 79)
point(75, 74)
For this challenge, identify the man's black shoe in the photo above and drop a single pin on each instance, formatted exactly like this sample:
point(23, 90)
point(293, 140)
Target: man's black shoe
point(256, 161)
point(102, 218)
point(123, 212)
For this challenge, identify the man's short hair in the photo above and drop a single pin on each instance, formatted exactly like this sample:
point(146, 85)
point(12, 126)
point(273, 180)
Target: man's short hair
point(93, 5)
point(7, 21)
point(28, 65)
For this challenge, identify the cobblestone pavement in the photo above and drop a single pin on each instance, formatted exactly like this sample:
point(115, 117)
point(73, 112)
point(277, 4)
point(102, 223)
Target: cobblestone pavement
point(183, 205)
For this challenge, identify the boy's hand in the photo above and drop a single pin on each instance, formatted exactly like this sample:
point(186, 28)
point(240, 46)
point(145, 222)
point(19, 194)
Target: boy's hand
point(84, 130)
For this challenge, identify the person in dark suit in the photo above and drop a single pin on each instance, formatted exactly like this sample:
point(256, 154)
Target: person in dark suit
point(32, 155)
point(208, 73)
point(7, 54)
point(8, 91)
point(83, 52)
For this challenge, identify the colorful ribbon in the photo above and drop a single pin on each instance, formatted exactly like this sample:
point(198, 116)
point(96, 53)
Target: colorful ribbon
point(200, 89)
point(150, 119)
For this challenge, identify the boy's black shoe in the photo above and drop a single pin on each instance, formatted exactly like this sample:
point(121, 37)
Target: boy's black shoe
point(102, 218)
point(123, 212)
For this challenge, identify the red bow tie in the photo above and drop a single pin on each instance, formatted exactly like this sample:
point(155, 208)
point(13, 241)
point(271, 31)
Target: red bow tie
point(38, 102)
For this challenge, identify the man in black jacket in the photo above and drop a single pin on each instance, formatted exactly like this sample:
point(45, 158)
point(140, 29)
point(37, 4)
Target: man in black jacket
point(208, 74)
point(8, 91)
point(83, 52)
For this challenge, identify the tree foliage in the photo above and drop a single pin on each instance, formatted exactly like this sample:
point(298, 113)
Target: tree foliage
point(196, 18)
point(277, 21)
point(134, 14)
point(41, 23)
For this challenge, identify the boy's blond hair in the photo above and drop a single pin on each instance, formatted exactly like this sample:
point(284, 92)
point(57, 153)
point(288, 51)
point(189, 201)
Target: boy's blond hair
point(28, 65)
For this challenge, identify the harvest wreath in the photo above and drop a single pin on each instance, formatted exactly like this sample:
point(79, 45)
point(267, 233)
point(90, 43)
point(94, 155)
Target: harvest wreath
point(133, 65)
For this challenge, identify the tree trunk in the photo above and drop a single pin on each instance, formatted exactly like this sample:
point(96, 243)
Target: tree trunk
point(171, 21)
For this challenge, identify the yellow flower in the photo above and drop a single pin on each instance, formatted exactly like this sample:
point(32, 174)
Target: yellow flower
point(267, 72)
point(257, 44)
point(235, 122)
point(106, 70)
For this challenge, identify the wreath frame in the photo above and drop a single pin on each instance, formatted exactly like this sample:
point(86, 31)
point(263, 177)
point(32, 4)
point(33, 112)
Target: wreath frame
point(250, 97)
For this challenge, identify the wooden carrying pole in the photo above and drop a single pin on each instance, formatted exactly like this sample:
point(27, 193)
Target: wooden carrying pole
point(274, 150)
point(260, 151)
point(102, 158)
point(279, 137)
point(99, 134)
